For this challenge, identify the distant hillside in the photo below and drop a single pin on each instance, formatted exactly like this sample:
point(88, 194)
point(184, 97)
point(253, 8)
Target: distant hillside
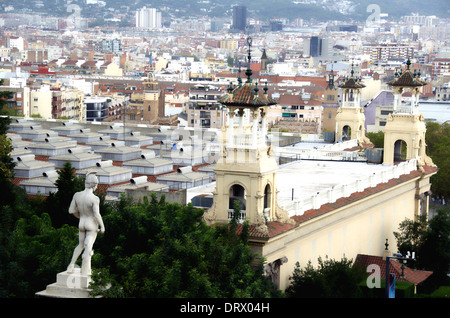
point(262, 9)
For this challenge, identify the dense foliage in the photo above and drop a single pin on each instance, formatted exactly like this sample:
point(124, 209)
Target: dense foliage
point(331, 279)
point(162, 249)
point(377, 138)
point(430, 240)
point(438, 148)
point(32, 251)
point(57, 204)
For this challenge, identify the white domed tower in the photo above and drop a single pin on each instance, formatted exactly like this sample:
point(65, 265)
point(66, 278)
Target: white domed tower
point(350, 118)
point(404, 133)
point(246, 170)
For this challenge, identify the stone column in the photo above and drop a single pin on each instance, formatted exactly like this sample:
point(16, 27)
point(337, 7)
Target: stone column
point(241, 120)
point(263, 123)
point(230, 127)
point(255, 129)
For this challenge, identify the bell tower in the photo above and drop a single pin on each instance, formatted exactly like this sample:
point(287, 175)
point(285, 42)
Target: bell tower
point(404, 133)
point(246, 169)
point(264, 61)
point(153, 100)
point(350, 118)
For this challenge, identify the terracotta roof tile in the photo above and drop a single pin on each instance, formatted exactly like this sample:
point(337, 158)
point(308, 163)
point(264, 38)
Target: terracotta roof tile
point(245, 95)
point(395, 267)
point(407, 79)
point(352, 83)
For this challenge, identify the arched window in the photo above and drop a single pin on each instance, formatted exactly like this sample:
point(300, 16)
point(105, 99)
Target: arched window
point(237, 193)
point(346, 132)
point(267, 196)
point(400, 150)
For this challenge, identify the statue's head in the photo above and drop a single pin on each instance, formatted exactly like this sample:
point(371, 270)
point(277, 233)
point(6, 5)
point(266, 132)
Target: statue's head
point(91, 181)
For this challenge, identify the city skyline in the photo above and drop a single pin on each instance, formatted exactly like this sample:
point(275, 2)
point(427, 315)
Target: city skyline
point(265, 10)
point(253, 106)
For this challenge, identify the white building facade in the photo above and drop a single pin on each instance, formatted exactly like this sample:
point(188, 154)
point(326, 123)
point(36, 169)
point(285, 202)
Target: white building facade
point(148, 18)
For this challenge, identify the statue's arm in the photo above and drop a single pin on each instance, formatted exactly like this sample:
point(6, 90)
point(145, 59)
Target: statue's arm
point(97, 215)
point(73, 208)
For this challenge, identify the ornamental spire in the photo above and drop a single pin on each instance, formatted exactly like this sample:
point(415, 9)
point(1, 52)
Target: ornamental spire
point(249, 70)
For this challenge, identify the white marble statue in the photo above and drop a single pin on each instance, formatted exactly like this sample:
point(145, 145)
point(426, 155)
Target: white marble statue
point(85, 206)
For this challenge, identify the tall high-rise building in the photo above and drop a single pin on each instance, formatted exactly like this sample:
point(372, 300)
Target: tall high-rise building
point(148, 18)
point(315, 46)
point(239, 18)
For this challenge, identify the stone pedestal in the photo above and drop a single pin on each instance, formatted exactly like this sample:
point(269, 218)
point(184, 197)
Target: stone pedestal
point(73, 285)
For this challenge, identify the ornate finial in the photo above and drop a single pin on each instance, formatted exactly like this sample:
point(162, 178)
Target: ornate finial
point(239, 77)
point(386, 244)
point(230, 88)
point(408, 63)
point(266, 88)
point(352, 71)
point(249, 70)
point(256, 89)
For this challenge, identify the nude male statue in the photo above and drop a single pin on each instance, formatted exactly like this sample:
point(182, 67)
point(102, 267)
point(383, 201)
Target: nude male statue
point(85, 206)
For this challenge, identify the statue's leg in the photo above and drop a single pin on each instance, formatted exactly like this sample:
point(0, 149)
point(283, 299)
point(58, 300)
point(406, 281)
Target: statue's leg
point(77, 251)
point(88, 252)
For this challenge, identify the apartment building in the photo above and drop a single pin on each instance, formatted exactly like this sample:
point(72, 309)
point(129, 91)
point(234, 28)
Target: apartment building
point(19, 103)
point(204, 109)
point(440, 66)
point(384, 52)
point(300, 113)
point(68, 103)
point(96, 108)
point(41, 102)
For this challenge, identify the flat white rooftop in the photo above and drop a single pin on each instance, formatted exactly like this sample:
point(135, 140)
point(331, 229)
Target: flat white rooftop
point(307, 177)
point(307, 184)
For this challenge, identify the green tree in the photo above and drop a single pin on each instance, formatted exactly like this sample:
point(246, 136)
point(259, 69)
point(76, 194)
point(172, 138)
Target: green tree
point(438, 148)
point(31, 250)
point(5, 112)
point(162, 249)
point(435, 250)
point(431, 243)
point(7, 164)
point(58, 203)
point(332, 279)
point(376, 138)
point(410, 234)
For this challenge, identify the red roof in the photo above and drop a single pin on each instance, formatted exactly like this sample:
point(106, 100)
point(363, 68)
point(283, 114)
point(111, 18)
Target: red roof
point(289, 99)
point(246, 96)
point(395, 267)
point(43, 70)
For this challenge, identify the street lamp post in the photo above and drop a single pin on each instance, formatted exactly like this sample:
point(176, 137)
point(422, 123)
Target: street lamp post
point(398, 256)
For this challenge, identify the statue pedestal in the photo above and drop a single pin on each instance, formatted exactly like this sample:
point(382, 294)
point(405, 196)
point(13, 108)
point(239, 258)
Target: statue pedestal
point(73, 285)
